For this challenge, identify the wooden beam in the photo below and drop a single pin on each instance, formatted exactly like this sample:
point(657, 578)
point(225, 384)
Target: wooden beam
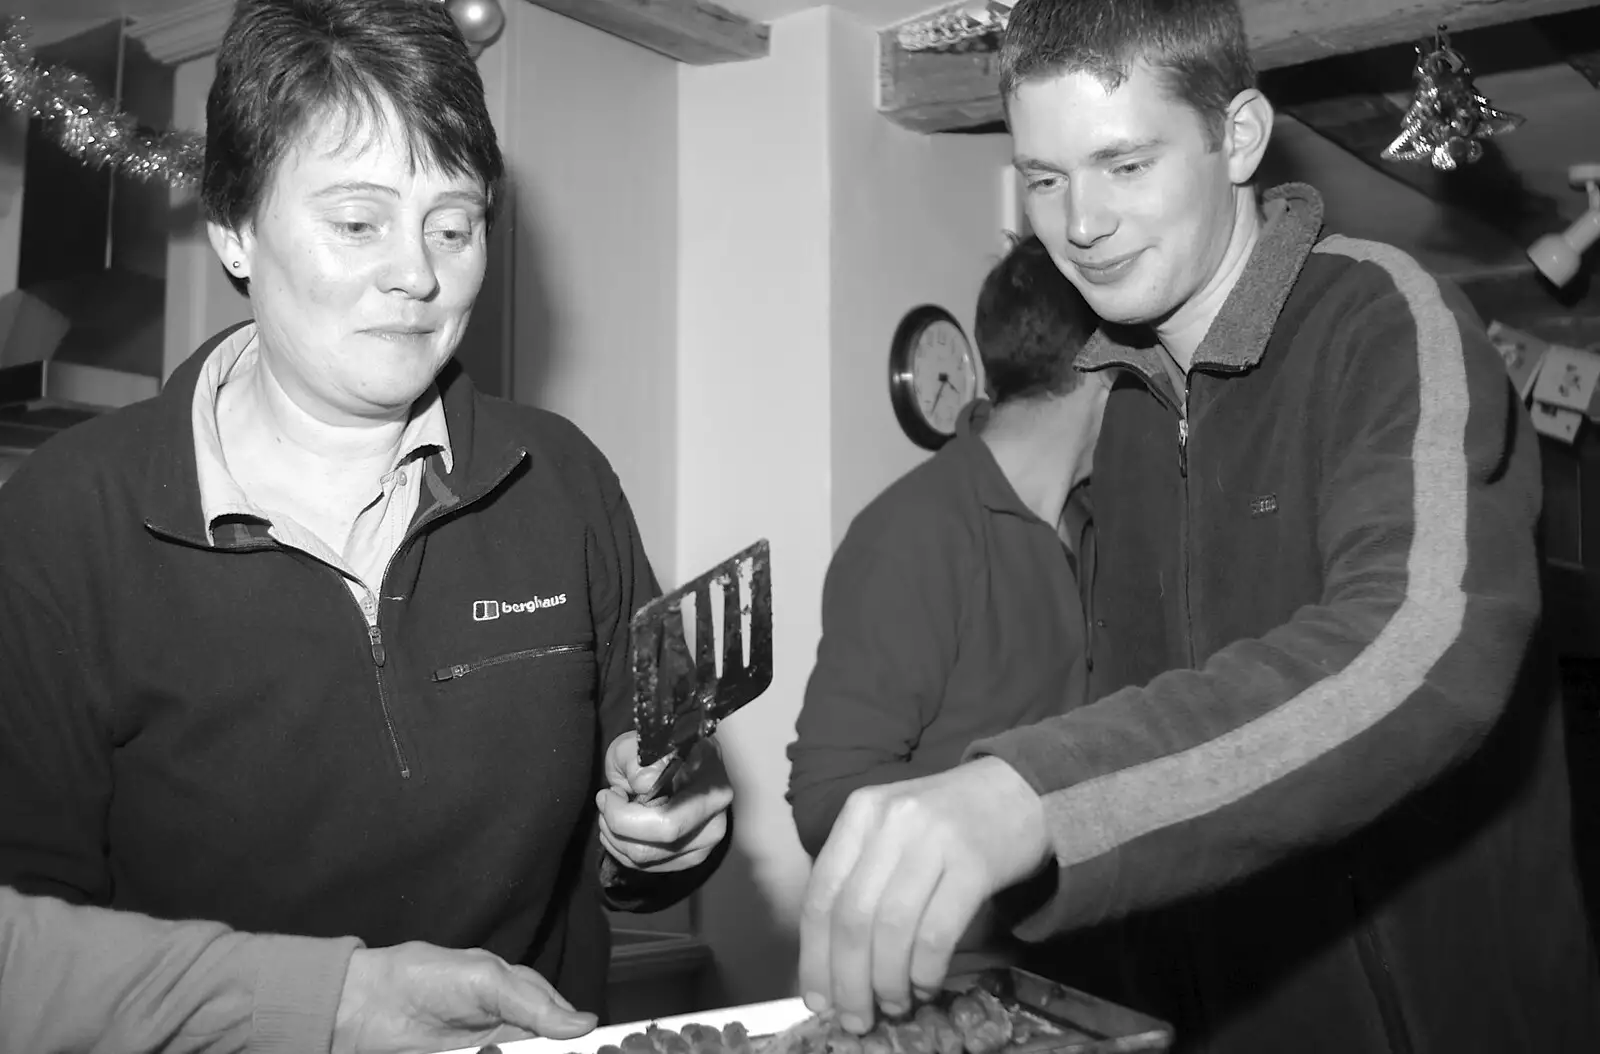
point(695, 32)
point(185, 33)
point(1588, 64)
point(937, 91)
point(1576, 36)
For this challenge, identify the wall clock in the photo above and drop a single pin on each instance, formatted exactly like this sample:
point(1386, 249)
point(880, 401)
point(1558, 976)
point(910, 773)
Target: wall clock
point(933, 373)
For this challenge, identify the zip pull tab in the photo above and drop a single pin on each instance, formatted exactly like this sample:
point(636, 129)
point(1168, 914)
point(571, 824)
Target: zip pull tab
point(1183, 446)
point(375, 635)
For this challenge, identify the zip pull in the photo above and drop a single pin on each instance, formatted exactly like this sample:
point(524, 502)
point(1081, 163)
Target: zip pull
point(1183, 446)
point(375, 635)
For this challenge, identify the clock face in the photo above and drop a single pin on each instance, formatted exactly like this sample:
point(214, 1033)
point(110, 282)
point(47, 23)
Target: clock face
point(933, 373)
point(942, 374)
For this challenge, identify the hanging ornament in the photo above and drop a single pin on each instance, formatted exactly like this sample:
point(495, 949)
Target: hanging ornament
point(951, 27)
point(480, 21)
point(1447, 120)
point(86, 126)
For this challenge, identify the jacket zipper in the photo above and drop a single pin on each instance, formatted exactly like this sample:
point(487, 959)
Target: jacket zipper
point(1193, 940)
point(1379, 978)
point(375, 633)
point(1088, 566)
point(1188, 518)
point(450, 673)
point(379, 657)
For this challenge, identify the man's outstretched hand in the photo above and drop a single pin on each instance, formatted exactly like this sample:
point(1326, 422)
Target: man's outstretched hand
point(904, 872)
point(421, 998)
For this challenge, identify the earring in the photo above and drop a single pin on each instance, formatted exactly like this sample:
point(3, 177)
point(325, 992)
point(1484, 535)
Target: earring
point(238, 264)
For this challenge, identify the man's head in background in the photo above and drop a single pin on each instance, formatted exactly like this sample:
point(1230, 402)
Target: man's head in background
point(1030, 324)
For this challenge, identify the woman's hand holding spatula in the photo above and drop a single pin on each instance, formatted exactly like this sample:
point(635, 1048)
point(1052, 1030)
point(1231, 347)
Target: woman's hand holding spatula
point(675, 831)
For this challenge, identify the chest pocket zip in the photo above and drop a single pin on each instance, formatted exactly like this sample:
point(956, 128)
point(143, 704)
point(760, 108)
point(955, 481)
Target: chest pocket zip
point(450, 673)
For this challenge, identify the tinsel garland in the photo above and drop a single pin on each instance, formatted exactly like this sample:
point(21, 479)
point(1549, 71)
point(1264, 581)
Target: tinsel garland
point(86, 126)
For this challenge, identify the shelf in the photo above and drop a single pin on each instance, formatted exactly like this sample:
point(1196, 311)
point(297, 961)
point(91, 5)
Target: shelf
point(644, 955)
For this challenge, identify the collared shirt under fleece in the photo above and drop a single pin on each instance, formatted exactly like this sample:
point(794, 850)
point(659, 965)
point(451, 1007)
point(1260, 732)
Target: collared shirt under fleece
point(1322, 785)
point(382, 522)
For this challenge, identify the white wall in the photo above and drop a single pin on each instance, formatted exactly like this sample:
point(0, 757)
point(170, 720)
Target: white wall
point(809, 225)
point(916, 219)
point(588, 124)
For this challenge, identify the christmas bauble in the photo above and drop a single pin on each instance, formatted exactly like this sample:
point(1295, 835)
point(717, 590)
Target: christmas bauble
point(480, 21)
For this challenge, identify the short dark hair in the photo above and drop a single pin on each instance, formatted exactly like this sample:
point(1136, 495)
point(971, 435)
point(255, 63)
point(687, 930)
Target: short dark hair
point(285, 63)
point(1199, 47)
point(1030, 324)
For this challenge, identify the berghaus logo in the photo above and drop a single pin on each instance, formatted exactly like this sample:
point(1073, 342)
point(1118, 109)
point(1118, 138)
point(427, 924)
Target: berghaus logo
point(488, 610)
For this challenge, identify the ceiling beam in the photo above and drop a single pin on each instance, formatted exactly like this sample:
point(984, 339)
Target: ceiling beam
point(1588, 64)
point(941, 91)
point(694, 32)
point(1576, 37)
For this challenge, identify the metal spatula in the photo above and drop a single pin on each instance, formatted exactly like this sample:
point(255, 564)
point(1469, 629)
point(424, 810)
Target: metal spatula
point(678, 701)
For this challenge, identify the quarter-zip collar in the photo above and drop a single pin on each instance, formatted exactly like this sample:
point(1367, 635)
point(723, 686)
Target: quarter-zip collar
point(485, 452)
point(1238, 335)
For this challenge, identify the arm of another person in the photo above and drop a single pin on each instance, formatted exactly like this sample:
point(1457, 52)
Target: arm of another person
point(891, 614)
point(1306, 734)
point(622, 581)
point(85, 979)
point(76, 978)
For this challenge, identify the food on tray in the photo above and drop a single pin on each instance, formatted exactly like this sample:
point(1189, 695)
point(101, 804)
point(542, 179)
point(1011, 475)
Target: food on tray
point(970, 1022)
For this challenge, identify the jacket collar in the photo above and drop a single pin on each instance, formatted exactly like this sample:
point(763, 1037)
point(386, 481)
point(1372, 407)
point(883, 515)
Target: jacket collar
point(1238, 335)
point(485, 450)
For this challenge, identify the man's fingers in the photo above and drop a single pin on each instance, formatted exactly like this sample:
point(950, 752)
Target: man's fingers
point(855, 917)
point(899, 918)
point(955, 902)
point(828, 875)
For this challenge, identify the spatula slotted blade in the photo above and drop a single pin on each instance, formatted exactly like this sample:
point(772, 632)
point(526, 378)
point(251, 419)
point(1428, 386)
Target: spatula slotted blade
point(680, 698)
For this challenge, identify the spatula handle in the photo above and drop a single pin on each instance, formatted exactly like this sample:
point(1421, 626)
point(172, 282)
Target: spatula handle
point(674, 777)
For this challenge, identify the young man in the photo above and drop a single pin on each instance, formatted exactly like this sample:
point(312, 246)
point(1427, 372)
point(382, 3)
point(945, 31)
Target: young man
point(952, 609)
point(1323, 784)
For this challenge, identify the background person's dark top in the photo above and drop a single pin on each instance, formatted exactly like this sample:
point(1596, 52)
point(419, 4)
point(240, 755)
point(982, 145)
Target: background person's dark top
point(950, 612)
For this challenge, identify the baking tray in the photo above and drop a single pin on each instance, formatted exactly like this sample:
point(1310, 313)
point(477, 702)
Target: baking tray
point(1086, 1024)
